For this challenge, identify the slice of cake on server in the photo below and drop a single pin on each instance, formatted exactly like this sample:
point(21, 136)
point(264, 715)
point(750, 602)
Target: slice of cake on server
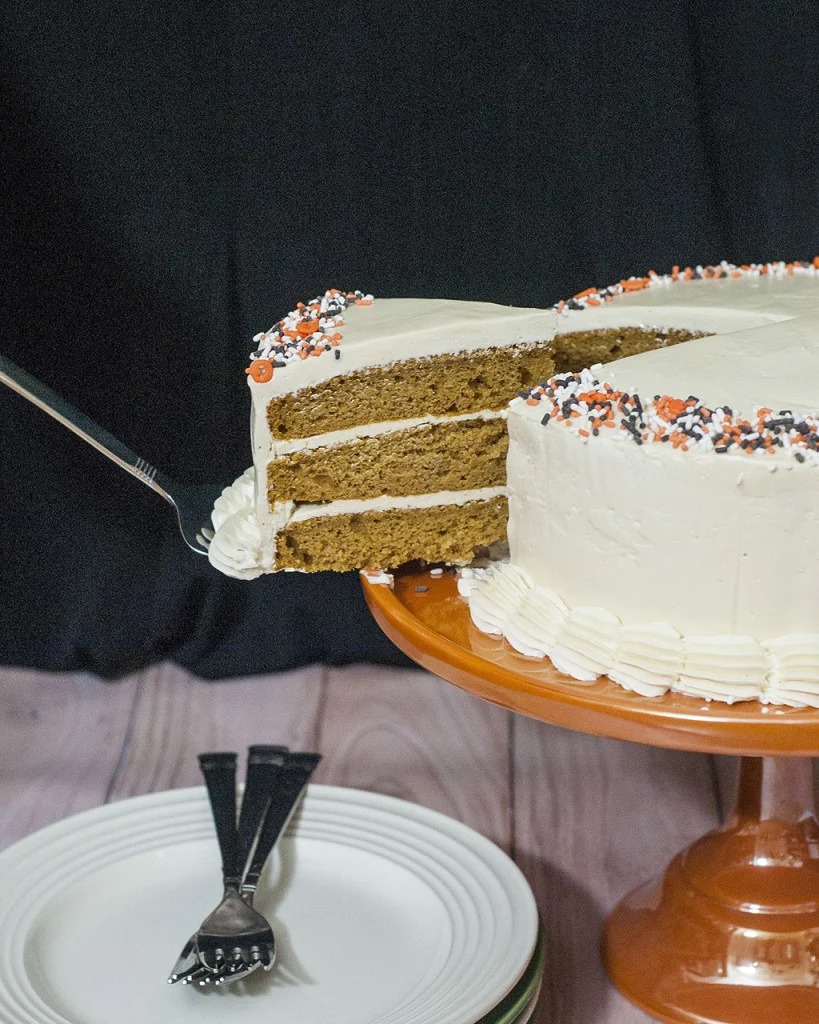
point(378, 432)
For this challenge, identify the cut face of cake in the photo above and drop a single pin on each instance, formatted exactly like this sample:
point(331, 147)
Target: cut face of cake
point(664, 508)
point(378, 433)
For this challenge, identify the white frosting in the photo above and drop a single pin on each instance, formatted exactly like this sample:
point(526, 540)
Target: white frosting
point(334, 438)
point(722, 549)
point(392, 330)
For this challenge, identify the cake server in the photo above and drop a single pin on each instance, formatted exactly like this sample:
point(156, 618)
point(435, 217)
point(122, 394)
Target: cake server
point(192, 503)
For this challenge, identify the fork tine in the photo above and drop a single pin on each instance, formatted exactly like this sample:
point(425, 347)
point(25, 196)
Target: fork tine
point(237, 975)
point(186, 960)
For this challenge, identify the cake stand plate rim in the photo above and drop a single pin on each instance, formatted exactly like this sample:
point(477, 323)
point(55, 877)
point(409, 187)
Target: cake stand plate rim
point(421, 613)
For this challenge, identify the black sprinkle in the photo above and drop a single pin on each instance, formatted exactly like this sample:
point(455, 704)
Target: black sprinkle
point(546, 419)
point(799, 457)
point(421, 590)
point(338, 354)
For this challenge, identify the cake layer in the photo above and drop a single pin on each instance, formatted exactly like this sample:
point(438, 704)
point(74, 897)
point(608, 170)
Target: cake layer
point(439, 385)
point(575, 349)
point(390, 537)
point(441, 526)
point(450, 455)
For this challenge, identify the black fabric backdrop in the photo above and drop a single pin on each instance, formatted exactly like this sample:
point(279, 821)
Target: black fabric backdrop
point(177, 176)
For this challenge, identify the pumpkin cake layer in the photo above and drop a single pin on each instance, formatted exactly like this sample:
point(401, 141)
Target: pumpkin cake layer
point(459, 455)
point(576, 349)
point(449, 533)
point(440, 385)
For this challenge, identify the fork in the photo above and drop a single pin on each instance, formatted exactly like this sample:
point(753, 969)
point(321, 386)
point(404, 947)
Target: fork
point(236, 848)
point(261, 781)
point(252, 937)
point(275, 780)
point(192, 503)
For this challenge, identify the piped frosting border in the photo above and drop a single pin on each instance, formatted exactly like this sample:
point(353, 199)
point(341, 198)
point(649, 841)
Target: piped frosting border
point(649, 658)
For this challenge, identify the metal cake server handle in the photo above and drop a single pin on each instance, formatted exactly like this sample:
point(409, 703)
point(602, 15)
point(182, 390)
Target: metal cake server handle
point(192, 503)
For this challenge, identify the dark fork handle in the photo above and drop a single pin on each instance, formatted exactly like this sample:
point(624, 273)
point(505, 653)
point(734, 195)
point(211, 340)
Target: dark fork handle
point(261, 781)
point(294, 776)
point(219, 770)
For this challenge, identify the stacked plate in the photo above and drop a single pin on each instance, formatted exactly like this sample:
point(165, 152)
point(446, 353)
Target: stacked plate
point(384, 913)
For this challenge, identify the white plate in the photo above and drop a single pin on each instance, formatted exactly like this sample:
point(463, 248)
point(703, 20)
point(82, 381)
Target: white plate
point(384, 913)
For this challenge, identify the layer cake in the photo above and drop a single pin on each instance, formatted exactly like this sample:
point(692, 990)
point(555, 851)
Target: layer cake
point(664, 508)
point(378, 433)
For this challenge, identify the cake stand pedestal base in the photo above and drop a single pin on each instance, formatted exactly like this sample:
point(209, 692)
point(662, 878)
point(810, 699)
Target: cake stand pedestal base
point(730, 934)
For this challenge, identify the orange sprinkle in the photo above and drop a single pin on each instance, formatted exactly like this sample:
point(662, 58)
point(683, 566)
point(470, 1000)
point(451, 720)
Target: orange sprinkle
point(675, 272)
point(561, 305)
point(532, 401)
point(363, 302)
point(261, 370)
point(593, 302)
point(669, 408)
point(583, 433)
point(635, 285)
point(307, 327)
point(588, 291)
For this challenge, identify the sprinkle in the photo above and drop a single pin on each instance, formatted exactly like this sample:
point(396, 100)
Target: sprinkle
point(594, 297)
point(582, 404)
point(261, 370)
point(309, 330)
point(421, 590)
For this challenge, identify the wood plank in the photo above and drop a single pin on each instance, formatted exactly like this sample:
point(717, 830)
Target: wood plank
point(61, 737)
point(177, 716)
point(408, 734)
point(594, 818)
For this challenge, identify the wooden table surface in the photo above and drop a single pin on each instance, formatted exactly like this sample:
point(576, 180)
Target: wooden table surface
point(585, 818)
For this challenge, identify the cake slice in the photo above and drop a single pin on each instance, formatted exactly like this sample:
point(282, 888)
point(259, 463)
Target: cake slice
point(378, 433)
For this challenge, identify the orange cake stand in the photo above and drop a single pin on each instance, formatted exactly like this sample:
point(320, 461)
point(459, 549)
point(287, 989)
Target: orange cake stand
point(730, 933)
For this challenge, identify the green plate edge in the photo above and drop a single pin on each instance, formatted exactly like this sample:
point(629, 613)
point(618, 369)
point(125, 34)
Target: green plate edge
point(514, 1003)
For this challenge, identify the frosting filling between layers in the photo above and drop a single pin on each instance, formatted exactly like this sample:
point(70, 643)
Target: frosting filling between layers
point(334, 438)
